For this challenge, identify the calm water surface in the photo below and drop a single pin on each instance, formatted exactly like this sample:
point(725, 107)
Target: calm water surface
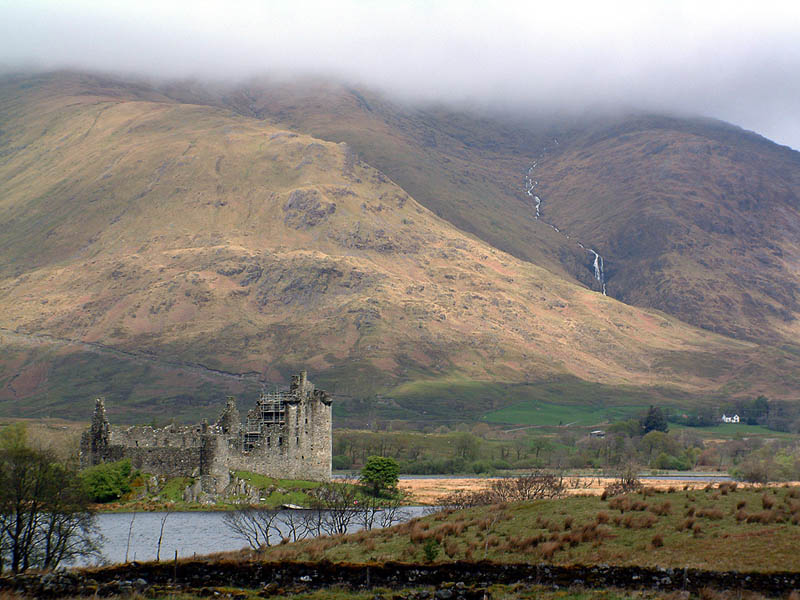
point(189, 533)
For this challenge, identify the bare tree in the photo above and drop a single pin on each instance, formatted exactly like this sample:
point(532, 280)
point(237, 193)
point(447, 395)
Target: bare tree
point(627, 481)
point(336, 506)
point(533, 486)
point(371, 512)
point(254, 525)
point(161, 532)
point(130, 533)
point(297, 524)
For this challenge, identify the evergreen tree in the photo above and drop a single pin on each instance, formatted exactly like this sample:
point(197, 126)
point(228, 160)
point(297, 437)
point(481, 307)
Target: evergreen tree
point(654, 420)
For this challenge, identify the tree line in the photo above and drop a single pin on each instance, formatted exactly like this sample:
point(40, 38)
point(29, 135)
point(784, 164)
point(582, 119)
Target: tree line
point(45, 519)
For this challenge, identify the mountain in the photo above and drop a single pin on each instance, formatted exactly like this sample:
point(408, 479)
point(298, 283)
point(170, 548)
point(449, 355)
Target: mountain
point(695, 217)
point(167, 245)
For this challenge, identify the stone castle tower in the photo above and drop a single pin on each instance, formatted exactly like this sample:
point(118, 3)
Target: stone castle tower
point(287, 435)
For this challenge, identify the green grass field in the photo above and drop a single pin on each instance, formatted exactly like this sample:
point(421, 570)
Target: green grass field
point(731, 430)
point(534, 412)
point(563, 400)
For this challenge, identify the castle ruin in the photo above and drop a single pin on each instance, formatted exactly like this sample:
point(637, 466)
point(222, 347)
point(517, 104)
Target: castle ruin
point(287, 435)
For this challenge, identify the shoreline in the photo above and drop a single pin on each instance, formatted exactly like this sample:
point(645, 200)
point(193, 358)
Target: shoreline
point(426, 490)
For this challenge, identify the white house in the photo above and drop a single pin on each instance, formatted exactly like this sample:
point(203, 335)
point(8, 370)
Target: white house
point(733, 419)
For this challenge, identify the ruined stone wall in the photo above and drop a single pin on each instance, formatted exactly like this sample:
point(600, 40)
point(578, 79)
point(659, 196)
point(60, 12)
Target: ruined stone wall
point(298, 447)
point(166, 462)
point(144, 436)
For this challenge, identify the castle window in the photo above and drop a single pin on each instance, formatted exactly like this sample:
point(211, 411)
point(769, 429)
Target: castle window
point(269, 441)
point(297, 440)
point(280, 440)
point(251, 440)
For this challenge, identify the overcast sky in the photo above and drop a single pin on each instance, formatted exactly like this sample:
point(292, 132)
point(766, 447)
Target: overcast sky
point(737, 60)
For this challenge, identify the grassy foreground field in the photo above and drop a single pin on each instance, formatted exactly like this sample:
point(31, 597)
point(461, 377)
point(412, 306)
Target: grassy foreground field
point(723, 528)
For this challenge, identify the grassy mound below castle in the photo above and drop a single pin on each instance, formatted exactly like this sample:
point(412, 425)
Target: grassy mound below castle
point(118, 487)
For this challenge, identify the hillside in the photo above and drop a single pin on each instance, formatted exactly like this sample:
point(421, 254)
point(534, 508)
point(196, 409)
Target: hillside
point(694, 217)
point(165, 253)
point(656, 528)
point(697, 218)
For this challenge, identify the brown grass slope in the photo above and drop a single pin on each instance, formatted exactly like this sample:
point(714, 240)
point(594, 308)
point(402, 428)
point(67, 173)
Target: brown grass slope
point(465, 167)
point(200, 237)
point(694, 217)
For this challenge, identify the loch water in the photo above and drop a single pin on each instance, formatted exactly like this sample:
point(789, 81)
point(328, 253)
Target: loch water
point(188, 533)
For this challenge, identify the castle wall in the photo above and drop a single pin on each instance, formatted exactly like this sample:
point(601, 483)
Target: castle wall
point(298, 449)
point(165, 461)
point(297, 446)
point(150, 437)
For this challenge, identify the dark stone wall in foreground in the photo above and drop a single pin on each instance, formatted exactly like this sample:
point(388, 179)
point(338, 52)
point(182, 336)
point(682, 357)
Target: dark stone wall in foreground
point(200, 574)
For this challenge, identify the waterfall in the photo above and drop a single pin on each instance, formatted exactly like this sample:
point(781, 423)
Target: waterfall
point(530, 185)
point(598, 270)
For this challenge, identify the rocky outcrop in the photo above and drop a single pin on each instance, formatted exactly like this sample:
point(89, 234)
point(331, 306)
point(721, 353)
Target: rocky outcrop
point(306, 208)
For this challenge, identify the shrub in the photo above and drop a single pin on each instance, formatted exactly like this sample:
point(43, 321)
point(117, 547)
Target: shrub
point(602, 517)
point(549, 548)
point(662, 510)
point(431, 550)
point(710, 513)
point(657, 541)
point(765, 517)
point(621, 504)
point(767, 502)
point(107, 481)
point(480, 466)
point(644, 521)
point(418, 534)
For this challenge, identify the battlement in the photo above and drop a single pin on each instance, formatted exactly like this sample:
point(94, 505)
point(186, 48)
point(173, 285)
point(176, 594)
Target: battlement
point(287, 435)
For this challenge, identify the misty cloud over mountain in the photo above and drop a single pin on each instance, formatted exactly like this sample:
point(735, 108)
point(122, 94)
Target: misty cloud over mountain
point(720, 59)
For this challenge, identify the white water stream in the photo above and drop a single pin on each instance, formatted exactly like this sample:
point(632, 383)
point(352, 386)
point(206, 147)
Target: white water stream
point(530, 187)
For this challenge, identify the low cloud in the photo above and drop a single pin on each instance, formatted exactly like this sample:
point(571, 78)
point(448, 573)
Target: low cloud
point(719, 59)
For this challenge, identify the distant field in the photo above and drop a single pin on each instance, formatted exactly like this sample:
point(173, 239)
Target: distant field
point(731, 430)
point(561, 401)
point(533, 412)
